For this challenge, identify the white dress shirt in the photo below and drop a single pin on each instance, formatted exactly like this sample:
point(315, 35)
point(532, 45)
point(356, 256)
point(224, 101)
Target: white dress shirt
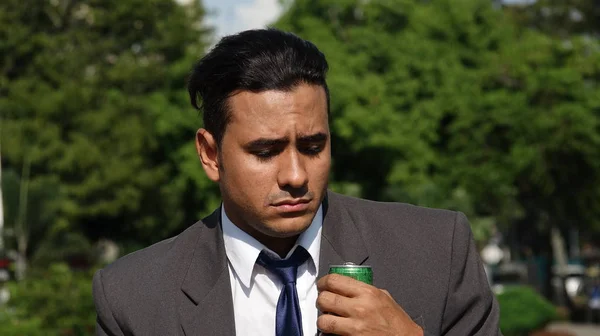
point(255, 290)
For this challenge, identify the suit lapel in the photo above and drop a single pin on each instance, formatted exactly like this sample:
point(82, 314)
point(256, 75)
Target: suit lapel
point(341, 239)
point(206, 306)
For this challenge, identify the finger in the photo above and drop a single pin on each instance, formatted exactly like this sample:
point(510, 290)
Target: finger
point(342, 285)
point(337, 325)
point(387, 293)
point(332, 303)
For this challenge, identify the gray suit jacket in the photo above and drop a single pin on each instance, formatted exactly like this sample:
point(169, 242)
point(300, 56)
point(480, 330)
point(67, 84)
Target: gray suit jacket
point(425, 258)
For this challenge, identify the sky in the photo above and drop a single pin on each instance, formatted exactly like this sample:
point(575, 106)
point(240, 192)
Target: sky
point(232, 16)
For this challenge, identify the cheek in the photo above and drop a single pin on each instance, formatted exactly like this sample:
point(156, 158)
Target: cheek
point(248, 177)
point(241, 166)
point(320, 170)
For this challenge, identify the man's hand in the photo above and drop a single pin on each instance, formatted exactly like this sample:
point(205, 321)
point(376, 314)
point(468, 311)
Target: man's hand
point(354, 308)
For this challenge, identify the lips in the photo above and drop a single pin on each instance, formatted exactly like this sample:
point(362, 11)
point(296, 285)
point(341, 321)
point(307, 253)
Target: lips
point(295, 205)
point(292, 202)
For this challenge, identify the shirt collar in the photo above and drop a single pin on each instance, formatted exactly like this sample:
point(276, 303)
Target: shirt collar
point(242, 249)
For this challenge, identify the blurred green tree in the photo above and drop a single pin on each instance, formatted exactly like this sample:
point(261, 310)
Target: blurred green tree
point(523, 311)
point(58, 301)
point(562, 18)
point(92, 95)
point(435, 98)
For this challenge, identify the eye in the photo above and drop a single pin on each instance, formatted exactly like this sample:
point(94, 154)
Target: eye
point(312, 150)
point(265, 154)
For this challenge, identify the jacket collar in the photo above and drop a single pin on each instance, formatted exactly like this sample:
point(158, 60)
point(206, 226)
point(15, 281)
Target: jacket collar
point(341, 240)
point(206, 306)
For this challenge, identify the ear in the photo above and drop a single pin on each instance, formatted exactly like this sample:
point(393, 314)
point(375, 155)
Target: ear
point(208, 152)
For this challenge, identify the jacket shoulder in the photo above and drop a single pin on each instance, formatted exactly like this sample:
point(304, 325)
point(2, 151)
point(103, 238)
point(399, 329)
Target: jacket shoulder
point(394, 224)
point(395, 214)
point(153, 257)
point(136, 277)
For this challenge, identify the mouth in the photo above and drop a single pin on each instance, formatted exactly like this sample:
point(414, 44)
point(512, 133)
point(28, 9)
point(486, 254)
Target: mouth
point(292, 205)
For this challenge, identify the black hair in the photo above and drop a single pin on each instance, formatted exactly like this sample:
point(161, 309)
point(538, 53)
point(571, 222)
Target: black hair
point(253, 60)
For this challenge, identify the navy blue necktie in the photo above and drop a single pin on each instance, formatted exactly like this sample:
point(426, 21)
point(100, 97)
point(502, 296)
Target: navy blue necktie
point(289, 318)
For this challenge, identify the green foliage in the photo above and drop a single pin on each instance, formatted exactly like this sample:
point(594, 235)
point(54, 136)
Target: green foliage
point(57, 301)
point(435, 98)
point(13, 325)
point(92, 93)
point(562, 18)
point(65, 247)
point(523, 310)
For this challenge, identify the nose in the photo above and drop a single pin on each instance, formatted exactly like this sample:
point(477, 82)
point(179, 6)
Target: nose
point(292, 171)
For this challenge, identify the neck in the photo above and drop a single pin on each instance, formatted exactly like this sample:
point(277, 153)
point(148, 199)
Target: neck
point(281, 246)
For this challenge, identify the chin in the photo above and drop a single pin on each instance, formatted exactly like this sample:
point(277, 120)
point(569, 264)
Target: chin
point(287, 227)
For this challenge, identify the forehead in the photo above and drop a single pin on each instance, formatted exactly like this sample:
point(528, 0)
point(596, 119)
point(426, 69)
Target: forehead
point(302, 110)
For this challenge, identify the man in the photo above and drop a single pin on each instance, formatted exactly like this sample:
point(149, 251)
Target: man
point(258, 264)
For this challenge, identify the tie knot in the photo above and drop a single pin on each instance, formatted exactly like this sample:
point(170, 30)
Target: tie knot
point(286, 269)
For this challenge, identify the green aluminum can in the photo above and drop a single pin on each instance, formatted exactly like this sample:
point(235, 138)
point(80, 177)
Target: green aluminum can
point(359, 272)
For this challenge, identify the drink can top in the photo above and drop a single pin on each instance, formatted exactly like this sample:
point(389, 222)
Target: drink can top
point(350, 264)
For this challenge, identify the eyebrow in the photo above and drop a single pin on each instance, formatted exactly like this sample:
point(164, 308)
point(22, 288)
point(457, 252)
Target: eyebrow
point(317, 137)
point(266, 142)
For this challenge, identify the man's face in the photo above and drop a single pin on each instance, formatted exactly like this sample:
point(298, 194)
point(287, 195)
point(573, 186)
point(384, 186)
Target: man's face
point(274, 160)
